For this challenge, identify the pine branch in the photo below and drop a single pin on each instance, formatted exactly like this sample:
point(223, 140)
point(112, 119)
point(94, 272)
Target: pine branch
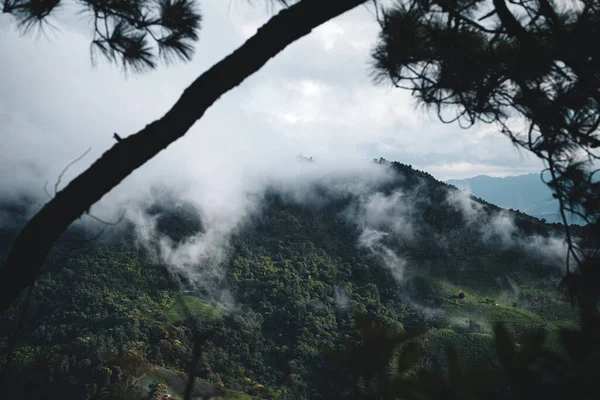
point(133, 33)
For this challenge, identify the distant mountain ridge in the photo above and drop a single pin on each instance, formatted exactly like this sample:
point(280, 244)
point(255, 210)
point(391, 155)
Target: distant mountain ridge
point(526, 193)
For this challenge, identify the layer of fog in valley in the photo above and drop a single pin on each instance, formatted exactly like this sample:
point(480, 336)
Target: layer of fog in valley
point(390, 212)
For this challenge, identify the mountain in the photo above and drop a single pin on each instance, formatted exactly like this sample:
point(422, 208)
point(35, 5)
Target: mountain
point(262, 299)
point(526, 193)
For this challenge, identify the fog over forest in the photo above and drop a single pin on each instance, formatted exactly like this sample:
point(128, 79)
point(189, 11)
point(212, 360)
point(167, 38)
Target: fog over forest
point(273, 215)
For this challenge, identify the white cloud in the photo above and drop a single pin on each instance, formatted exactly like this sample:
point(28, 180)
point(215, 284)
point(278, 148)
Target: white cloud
point(500, 230)
point(381, 219)
point(329, 34)
point(462, 201)
point(315, 98)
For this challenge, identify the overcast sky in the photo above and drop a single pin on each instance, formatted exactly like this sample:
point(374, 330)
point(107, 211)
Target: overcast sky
point(316, 99)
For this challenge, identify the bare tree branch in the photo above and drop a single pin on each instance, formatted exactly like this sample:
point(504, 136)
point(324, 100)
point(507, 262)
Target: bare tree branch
point(69, 165)
point(108, 223)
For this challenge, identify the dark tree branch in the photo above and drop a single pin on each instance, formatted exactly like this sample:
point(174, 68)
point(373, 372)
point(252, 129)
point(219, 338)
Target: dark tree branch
point(173, 26)
point(43, 230)
point(56, 185)
point(562, 207)
point(533, 65)
point(512, 25)
point(547, 11)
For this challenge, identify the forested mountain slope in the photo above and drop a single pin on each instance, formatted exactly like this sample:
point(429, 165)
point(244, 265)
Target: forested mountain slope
point(265, 299)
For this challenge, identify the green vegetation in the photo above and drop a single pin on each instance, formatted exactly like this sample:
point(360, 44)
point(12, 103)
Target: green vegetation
point(105, 317)
point(383, 364)
point(473, 347)
point(186, 306)
point(99, 320)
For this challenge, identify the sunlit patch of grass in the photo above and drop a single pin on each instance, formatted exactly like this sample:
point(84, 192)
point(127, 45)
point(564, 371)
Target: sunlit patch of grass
point(186, 306)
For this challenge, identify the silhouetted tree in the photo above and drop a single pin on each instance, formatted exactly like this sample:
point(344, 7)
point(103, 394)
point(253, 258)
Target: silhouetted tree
point(385, 365)
point(134, 33)
point(530, 66)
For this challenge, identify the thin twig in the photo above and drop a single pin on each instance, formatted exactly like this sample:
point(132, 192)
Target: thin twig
point(69, 165)
point(46, 190)
point(107, 222)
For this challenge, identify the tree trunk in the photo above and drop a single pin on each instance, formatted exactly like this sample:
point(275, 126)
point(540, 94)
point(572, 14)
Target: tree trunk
point(43, 230)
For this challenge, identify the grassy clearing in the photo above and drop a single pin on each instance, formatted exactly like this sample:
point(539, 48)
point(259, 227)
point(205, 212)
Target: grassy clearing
point(537, 304)
point(186, 306)
point(470, 317)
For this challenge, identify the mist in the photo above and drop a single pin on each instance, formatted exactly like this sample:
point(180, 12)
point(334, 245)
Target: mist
point(322, 108)
point(230, 195)
point(226, 201)
point(499, 229)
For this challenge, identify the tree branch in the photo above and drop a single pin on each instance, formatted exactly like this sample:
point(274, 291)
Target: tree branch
point(510, 22)
point(43, 230)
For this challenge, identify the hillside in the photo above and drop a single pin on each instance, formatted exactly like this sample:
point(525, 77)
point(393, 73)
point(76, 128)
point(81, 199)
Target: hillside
point(267, 298)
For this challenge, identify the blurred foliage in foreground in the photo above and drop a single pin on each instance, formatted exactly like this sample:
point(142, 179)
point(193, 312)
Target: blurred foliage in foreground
point(389, 365)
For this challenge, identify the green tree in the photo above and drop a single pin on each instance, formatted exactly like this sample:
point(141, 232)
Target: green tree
point(157, 390)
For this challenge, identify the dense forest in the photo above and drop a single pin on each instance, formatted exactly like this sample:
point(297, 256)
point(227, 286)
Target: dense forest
point(108, 317)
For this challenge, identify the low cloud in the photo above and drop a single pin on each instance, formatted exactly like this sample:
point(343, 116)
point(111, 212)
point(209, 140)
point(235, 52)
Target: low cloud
point(499, 229)
point(383, 218)
point(462, 201)
point(373, 241)
point(227, 202)
point(393, 213)
point(198, 258)
point(342, 301)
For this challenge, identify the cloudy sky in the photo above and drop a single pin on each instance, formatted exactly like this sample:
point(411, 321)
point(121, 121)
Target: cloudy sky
point(316, 99)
